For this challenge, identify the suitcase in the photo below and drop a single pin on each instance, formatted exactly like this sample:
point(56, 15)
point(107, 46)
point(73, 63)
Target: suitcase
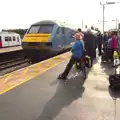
point(88, 62)
point(114, 81)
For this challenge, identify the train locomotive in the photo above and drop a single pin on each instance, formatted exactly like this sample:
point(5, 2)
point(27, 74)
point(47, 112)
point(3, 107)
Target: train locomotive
point(47, 38)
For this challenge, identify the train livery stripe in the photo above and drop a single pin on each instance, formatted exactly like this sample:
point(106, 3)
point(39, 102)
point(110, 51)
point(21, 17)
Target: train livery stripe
point(36, 38)
point(16, 78)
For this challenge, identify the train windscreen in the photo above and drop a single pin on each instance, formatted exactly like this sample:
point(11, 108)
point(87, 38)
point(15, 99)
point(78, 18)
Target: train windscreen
point(34, 29)
point(40, 29)
point(46, 29)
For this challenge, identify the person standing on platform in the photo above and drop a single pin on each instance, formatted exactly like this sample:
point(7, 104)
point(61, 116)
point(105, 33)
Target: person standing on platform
point(113, 43)
point(99, 42)
point(77, 53)
point(105, 39)
point(81, 37)
point(90, 44)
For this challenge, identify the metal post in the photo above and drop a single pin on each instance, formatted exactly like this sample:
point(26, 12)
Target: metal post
point(103, 17)
point(82, 23)
point(116, 23)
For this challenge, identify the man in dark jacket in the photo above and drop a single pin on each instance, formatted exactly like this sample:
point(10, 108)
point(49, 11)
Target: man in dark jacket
point(105, 39)
point(90, 44)
point(99, 42)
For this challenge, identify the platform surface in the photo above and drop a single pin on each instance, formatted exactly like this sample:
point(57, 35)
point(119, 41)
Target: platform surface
point(10, 49)
point(46, 98)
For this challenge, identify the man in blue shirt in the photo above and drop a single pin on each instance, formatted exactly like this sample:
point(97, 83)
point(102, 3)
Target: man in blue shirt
point(77, 53)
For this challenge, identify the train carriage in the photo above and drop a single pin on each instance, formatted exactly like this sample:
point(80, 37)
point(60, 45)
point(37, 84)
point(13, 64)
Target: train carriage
point(47, 38)
point(8, 39)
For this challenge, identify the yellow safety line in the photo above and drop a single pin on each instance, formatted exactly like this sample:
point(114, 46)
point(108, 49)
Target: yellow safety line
point(25, 71)
point(5, 80)
point(9, 88)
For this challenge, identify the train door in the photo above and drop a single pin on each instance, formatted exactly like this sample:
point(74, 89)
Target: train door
point(11, 43)
point(14, 40)
point(58, 43)
point(18, 40)
point(5, 41)
point(63, 38)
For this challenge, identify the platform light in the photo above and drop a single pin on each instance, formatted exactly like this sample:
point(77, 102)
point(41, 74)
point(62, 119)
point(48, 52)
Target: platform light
point(103, 5)
point(109, 3)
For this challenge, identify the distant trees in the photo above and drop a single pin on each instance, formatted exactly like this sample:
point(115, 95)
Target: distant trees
point(21, 32)
point(86, 26)
point(92, 28)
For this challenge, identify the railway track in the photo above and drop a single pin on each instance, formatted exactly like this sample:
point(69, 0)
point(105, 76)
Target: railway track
point(12, 65)
point(14, 61)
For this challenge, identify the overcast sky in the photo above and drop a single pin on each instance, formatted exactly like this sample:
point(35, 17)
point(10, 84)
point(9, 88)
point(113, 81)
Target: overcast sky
point(22, 13)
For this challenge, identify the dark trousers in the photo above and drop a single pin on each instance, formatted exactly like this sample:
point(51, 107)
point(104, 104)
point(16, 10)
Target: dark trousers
point(112, 52)
point(69, 66)
point(99, 48)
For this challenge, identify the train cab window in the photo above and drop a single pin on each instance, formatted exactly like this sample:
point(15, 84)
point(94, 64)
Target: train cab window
point(9, 38)
point(46, 29)
point(34, 29)
point(59, 30)
point(63, 31)
point(6, 39)
point(13, 38)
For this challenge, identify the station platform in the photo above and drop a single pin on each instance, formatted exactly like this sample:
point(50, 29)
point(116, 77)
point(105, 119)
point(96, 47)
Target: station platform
point(10, 49)
point(35, 93)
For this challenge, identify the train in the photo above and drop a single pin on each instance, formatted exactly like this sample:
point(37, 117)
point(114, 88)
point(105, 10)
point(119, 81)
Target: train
point(47, 38)
point(9, 39)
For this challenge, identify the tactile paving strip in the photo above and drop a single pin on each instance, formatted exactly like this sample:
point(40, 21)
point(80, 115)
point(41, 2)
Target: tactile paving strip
point(18, 77)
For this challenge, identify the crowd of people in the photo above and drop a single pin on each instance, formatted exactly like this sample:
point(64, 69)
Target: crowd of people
point(88, 42)
point(109, 39)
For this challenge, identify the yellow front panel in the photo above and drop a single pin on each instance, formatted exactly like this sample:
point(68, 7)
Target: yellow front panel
point(36, 38)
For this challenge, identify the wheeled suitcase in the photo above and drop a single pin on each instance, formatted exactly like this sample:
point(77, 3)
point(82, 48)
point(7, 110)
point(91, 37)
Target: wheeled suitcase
point(114, 81)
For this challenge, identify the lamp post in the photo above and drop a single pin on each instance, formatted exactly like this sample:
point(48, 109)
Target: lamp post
point(117, 21)
point(103, 5)
point(82, 23)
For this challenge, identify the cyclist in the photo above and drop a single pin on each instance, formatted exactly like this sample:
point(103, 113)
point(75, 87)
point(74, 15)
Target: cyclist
point(77, 53)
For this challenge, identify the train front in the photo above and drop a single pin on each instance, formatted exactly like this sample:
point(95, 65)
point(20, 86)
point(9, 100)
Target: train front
point(37, 41)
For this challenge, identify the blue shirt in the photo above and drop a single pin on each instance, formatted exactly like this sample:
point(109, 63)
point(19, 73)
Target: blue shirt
point(77, 49)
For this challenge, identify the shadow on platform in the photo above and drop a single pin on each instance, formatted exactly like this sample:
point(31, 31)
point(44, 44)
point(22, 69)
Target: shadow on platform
point(107, 68)
point(65, 94)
